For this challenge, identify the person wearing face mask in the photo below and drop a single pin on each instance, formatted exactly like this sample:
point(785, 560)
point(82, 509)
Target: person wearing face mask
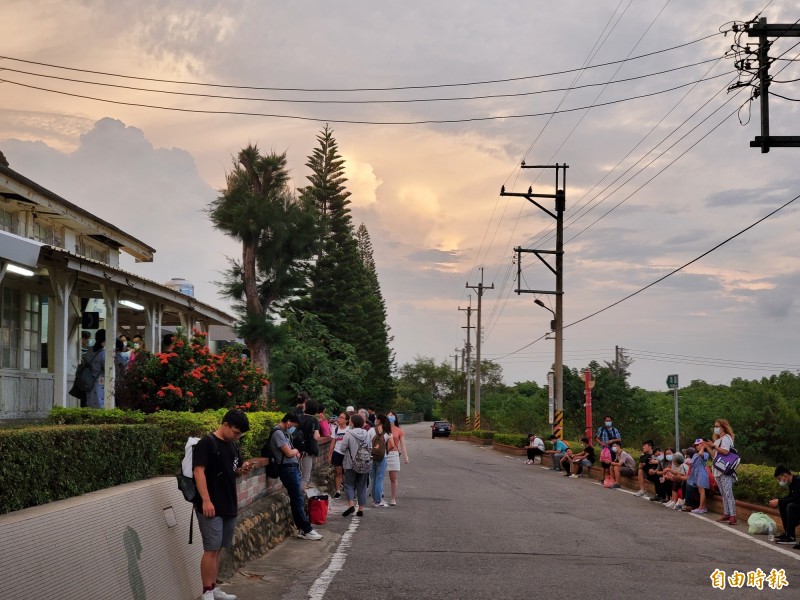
point(788, 506)
point(623, 466)
point(393, 456)
point(289, 474)
point(723, 444)
point(607, 436)
point(657, 470)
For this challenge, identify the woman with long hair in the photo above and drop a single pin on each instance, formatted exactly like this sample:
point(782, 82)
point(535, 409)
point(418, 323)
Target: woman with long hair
point(382, 427)
point(95, 359)
point(723, 444)
point(393, 457)
point(335, 456)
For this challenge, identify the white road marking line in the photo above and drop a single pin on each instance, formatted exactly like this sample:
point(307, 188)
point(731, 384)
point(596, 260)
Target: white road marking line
point(747, 536)
point(317, 591)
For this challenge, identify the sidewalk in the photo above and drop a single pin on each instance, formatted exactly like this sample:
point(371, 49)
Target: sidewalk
point(294, 561)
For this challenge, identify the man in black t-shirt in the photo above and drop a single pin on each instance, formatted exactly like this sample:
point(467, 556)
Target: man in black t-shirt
point(643, 471)
point(216, 462)
point(584, 458)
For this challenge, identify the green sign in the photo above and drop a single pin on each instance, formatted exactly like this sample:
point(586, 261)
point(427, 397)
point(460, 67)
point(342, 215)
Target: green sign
point(672, 382)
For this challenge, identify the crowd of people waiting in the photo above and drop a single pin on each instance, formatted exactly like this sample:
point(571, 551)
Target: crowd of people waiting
point(683, 480)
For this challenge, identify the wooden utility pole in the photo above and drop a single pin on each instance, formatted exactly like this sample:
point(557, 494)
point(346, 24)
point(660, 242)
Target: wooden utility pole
point(469, 326)
point(478, 335)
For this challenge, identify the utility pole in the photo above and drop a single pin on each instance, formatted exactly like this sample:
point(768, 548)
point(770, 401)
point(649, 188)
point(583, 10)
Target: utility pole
point(455, 359)
point(616, 362)
point(560, 205)
point(478, 335)
point(763, 32)
point(468, 310)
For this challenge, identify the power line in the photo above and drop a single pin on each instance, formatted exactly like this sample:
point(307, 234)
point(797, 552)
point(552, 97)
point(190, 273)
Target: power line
point(354, 89)
point(330, 101)
point(347, 121)
point(732, 362)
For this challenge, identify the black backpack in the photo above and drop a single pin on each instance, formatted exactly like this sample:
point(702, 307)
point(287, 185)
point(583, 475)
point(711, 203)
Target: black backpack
point(272, 469)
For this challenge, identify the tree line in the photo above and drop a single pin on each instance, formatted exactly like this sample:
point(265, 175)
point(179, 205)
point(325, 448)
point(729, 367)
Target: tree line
point(765, 413)
point(305, 288)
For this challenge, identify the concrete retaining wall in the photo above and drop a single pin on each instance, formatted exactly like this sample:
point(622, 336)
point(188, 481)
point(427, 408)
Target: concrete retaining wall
point(130, 542)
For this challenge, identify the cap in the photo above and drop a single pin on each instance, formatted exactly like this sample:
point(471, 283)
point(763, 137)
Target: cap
point(552, 437)
point(698, 441)
point(349, 409)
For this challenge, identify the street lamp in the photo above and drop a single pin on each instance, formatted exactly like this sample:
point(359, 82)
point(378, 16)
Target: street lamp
point(553, 321)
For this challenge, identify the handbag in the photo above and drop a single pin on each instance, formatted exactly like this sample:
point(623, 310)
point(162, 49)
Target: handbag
point(727, 463)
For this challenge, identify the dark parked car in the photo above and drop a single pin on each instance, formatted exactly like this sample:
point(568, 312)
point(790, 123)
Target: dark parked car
point(440, 428)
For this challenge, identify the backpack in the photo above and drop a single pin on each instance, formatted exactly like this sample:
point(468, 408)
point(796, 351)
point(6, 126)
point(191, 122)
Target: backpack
point(272, 469)
point(185, 475)
point(84, 379)
point(362, 461)
point(378, 447)
point(299, 439)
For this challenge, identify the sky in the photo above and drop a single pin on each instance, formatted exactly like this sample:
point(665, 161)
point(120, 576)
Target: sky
point(660, 168)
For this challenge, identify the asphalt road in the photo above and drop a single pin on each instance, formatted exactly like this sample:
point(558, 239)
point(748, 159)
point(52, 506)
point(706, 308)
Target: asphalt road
point(474, 523)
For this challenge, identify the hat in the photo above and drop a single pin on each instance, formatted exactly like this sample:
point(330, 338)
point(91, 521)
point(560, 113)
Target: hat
point(698, 441)
point(552, 437)
point(349, 409)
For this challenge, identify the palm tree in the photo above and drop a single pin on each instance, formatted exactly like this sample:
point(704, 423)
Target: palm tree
point(277, 232)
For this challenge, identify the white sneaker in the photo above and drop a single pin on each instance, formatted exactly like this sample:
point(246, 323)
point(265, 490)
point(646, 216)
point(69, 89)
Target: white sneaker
point(379, 505)
point(209, 595)
point(218, 594)
point(311, 535)
point(573, 476)
point(640, 493)
point(670, 504)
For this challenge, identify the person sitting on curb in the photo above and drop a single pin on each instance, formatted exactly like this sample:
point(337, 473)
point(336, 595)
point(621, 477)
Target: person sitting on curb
point(788, 506)
point(663, 487)
point(585, 458)
point(535, 448)
point(560, 448)
point(645, 461)
point(676, 476)
point(623, 466)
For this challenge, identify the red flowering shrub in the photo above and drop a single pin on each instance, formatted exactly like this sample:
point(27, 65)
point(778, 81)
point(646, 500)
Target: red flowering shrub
point(192, 378)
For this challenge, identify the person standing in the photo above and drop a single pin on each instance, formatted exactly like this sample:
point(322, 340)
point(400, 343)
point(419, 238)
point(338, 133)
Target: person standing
point(216, 462)
point(723, 444)
point(288, 459)
point(309, 427)
point(95, 359)
point(335, 456)
point(86, 337)
point(393, 457)
point(607, 435)
point(324, 426)
point(378, 471)
point(355, 484)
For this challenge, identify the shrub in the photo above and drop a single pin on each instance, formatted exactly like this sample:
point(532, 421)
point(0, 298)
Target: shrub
point(516, 440)
point(177, 427)
point(191, 378)
point(756, 484)
point(482, 434)
point(42, 464)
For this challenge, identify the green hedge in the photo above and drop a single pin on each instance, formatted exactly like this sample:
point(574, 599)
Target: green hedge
point(482, 434)
point(756, 484)
point(42, 464)
point(517, 440)
point(177, 428)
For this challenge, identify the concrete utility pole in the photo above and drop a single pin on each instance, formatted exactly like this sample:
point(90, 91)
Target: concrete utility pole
point(469, 326)
point(478, 335)
point(763, 32)
point(558, 271)
point(455, 359)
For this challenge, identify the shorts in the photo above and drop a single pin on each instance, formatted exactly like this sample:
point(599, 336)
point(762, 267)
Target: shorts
point(337, 458)
point(586, 462)
point(626, 471)
point(217, 532)
point(393, 461)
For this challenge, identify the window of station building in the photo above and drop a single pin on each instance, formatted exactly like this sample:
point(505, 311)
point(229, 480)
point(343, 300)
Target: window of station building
point(10, 328)
point(21, 329)
point(93, 250)
point(47, 233)
point(8, 220)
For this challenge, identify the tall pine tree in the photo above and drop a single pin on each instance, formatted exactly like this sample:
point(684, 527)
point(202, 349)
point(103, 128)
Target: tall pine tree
point(342, 291)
